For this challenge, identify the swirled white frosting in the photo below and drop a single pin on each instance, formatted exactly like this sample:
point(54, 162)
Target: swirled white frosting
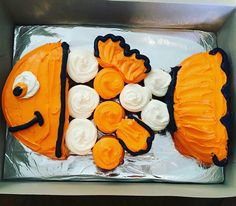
point(82, 66)
point(155, 114)
point(134, 97)
point(30, 80)
point(82, 100)
point(81, 136)
point(158, 82)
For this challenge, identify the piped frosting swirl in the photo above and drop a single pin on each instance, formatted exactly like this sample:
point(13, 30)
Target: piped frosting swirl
point(108, 115)
point(108, 153)
point(82, 66)
point(108, 83)
point(81, 136)
point(82, 101)
point(155, 114)
point(158, 82)
point(134, 97)
point(30, 82)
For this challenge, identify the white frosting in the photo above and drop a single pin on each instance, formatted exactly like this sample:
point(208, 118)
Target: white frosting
point(30, 80)
point(81, 136)
point(82, 66)
point(158, 82)
point(134, 97)
point(82, 100)
point(155, 114)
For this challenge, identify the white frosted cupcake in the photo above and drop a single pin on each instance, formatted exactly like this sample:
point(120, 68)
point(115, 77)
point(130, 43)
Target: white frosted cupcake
point(155, 114)
point(134, 97)
point(82, 100)
point(82, 66)
point(81, 136)
point(158, 82)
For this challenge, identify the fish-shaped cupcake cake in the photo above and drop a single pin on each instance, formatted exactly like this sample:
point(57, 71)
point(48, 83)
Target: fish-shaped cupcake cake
point(37, 103)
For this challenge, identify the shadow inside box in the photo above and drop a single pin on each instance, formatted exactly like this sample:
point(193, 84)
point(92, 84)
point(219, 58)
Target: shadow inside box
point(26, 200)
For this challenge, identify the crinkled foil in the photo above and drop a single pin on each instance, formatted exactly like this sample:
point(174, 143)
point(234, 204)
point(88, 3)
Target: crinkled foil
point(165, 49)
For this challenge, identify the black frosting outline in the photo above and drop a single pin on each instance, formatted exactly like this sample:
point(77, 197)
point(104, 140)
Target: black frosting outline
point(225, 90)
point(127, 51)
point(65, 51)
point(37, 119)
point(149, 139)
point(219, 163)
point(169, 99)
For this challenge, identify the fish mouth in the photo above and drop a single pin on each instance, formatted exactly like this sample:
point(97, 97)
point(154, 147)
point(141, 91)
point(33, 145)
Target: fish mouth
point(38, 119)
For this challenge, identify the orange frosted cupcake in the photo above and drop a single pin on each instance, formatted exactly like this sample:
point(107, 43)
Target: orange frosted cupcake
point(108, 83)
point(108, 115)
point(135, 136)
point(108, 153)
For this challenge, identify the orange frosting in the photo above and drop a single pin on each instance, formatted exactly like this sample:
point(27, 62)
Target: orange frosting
point(108, 153)
point(109, 52)
point(198, 107)
point(107, 116)
point(133, 135)
point(112, 55)
point(132, 68)
point(45, 63)
point(108, 83)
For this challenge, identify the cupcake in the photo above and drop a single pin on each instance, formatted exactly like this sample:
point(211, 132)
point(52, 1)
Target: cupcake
point(108, 83)
point(158, 82)
point(81, 136)
point(134, 97)
point(108, 115)
point(108, 153)
point(82, 66)
point(155, 114)
point(135, 136)
point(82, 100)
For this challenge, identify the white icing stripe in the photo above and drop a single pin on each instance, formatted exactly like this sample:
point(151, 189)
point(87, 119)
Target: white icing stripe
point(82, 100)
point(82, 66)
point(134, 97)
point(81, 136)
point(30, 80)
point(155, 114)
point(158, 82)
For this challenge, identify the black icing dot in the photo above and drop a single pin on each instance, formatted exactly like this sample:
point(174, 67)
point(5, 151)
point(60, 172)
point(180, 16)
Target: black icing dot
point(17, 91)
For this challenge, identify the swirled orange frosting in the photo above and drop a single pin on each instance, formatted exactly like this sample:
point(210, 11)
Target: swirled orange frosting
point(112, 55)
point(108, 153)
point(108, 83)
point(133, 135)
point(198, 107)
point(108, 115)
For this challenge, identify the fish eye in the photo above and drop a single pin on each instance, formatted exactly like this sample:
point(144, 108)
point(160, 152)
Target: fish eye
point(25, 85)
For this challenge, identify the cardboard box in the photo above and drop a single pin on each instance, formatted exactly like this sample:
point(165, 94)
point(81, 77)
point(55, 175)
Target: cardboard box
point(218, 16)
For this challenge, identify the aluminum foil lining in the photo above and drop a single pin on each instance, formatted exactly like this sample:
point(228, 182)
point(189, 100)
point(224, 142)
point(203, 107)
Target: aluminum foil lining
point(165, 49)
